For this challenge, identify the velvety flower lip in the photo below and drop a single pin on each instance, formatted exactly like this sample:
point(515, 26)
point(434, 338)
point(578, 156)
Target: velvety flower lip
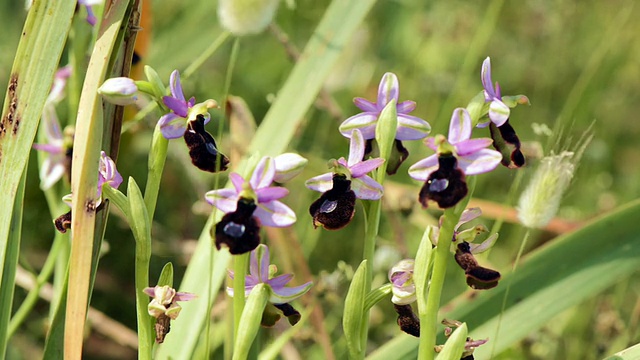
point(55, 165)
point(498, 110)
point(472, 155)
point(270, 211)
point(174, 124)
point(107, 173)
point(260, 273)
point(409, 127)
point(362, 184)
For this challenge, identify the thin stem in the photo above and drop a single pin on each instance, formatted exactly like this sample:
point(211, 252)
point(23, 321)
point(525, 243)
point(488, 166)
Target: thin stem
point(240, 265)
point(506, 292)
point(195, 65)
point(157, 159)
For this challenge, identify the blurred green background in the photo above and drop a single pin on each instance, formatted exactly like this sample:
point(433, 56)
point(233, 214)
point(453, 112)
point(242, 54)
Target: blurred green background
point(578, 62)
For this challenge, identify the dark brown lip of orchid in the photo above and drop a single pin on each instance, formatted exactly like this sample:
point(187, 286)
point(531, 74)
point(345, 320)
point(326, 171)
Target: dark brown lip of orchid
point(342, 201)
point(241, 220)
point(202, 147)
point(478, 277)
point(455, 188)
point(505, 136)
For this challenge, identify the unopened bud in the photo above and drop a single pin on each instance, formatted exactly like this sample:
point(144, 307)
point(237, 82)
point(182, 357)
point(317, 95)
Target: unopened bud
point(244, 17)
point(288, 166)
point(540, 200)
point(120, 91)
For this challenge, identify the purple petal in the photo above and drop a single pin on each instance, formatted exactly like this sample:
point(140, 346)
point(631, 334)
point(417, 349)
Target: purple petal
point(498, 112)
point(468, 215)
point(365, 105)
point(177, 106)
point(411, 128)
point(259, 264)
point(431, 143)
point(486, 79)
point(484, 246)
point(388, 90)
point(263, 174)
point(279, 282)
point(365, 167)
point(176, 87)
point(181, 296)
point(356, 148)
point(321, 183)
point(275, 214)
point(192, 102)
point(460, 126)
point(366, 188)
point(365, 122)
point(224, 199)
point(172, 126)
point(422, 169)
point(479, 162)
point(271, 193)
point(52, 124)
point(237, 180)
point(470, 146)
point(288, 294)
point(151, 291)
point(91, 18)
point(406, 107)
point(50, 148)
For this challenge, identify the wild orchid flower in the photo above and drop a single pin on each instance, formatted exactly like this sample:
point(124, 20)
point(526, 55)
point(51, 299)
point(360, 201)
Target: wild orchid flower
point(248, 205)
point(340, 187)
point(456, 156)
point(409, 127)
point(56, 164)
point(164, 307)
point(402, 286)
point(261, 272)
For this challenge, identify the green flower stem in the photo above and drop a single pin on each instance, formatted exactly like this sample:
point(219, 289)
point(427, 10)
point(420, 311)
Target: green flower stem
point(157, 158)
point(429, 316)
point(240, 265)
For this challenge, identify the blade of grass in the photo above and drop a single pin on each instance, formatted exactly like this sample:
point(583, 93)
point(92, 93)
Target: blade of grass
point(340, 21)
point(568, 270)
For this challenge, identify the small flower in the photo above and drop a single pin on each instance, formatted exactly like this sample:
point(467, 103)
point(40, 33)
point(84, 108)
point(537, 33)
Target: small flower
point(120, 91)
point(256, 194)
point(459, 155)
point(89, 4)
point(469, 346)
point(348, 181)
point(164, 307)
point(174, 124)
point(288, 166)
point(478, 277)
point(107, 173)
point(409, 127)
point(57, 164)
point(261, 272)
point(202, 147)
point(403, 287)
point(59, 84)
point(502, 132)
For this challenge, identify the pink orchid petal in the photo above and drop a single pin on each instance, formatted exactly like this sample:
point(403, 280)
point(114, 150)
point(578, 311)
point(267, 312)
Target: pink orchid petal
point(499, 112)
point(271, 193)
point(460, 126)
point(366, 188)
point(275, 214)
point(365, 122)
point(226, 200)
point(470, 146)
point(422, 169)
point(237, 180)
point(280, 281)
point(431, 143)
point(356, 148)
point(468, 215)
point(484, 246)
point(172, 126)
point(176, 86)
point(406, 107)
point(263, 174)
point(321, 183)
point(288, 294)
point(52, 124)
point(388, 90)
point(411, 128)
point(365, 167)
point(179, 107)
point(50, 173)
point(182, 296)
point(486, 79)
point(365, 105)
point(50, 148)
point(479, 162)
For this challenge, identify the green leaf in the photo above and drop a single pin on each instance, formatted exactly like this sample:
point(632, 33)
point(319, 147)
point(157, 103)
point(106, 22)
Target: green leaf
point(374, 296)
point(166, 276)
point(561, 274)
point(630, 353)
point(250, 320)
point(454, 346)
point(354, 310)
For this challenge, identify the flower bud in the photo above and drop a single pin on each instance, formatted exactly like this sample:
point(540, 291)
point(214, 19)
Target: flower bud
point(288, 166)
point(120, 91)
point(539, 202)
point(244, 17)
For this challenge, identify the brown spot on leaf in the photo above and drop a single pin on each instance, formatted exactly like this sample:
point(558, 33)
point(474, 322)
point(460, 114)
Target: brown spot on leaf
point(8, 119)
point(90, 206)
